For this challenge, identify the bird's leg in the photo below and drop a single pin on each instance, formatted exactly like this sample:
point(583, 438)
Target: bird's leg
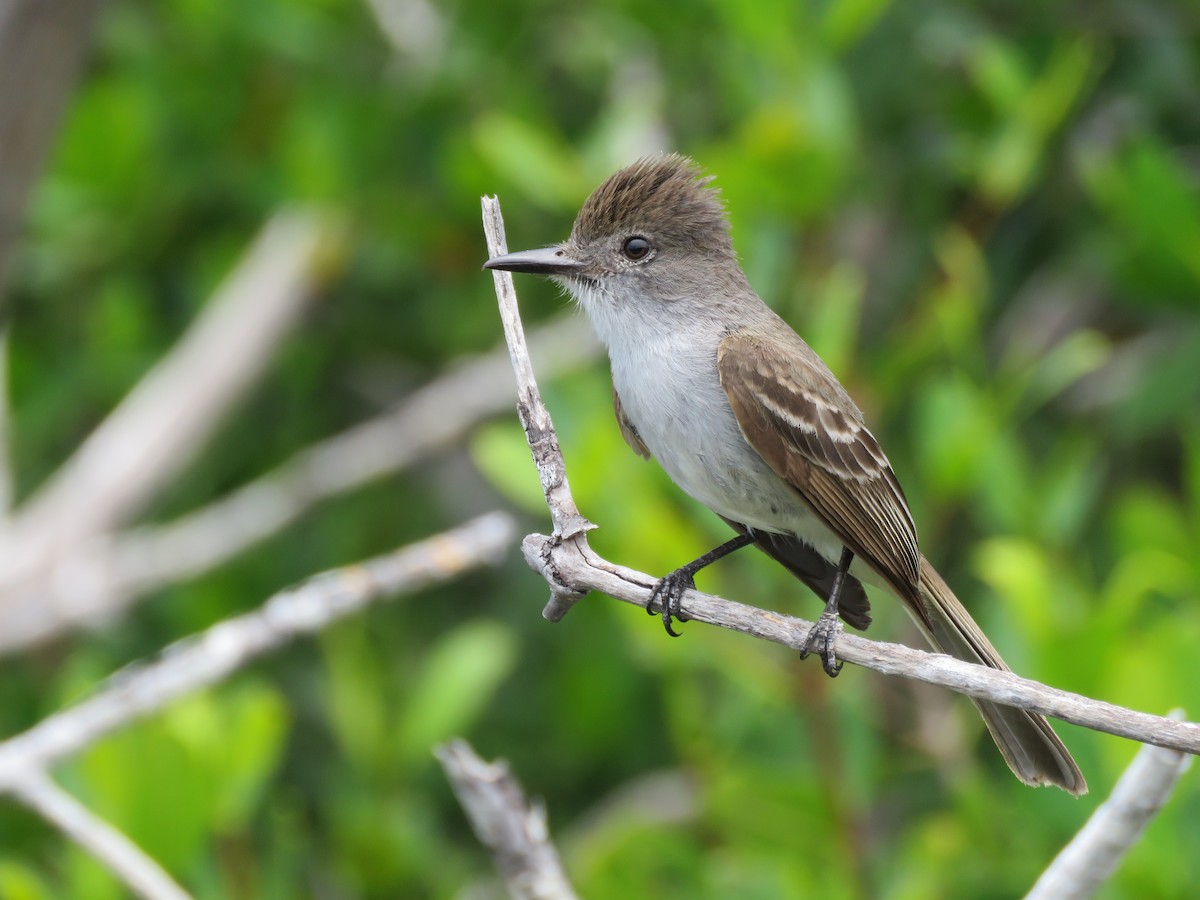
point(670, 588)
point(824, 632)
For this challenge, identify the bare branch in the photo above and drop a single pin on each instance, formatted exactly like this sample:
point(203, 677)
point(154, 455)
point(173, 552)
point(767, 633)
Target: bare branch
point(1115, 827)
point(434, 417)
point(165, 419)
point(111, 848)
point(154, 432)
point(572, 569)
point(569, 525)
point(7, 480)
point(207, 658)
point(514, 830)
point(580, 569)
point(42, 49)
point(100, 578)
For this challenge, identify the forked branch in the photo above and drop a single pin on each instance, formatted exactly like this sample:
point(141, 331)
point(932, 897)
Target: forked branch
point(572, 569)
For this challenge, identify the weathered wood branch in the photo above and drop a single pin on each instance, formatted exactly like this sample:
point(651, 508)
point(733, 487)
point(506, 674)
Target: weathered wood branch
point(572, 568)
point(1115, 827)
point(214, 654)
point(513, 829)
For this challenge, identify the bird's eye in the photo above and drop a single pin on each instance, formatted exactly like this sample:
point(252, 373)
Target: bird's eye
point(635, 248)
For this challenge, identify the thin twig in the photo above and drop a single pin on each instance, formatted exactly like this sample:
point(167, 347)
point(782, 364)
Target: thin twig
point(1115, 827)
point(569, 525)
point(514, 830)
point(110, 847)
point(212, 655)
point(572, 568)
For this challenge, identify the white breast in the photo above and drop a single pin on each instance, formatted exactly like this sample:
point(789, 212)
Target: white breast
point(671, 392)
point(664, 368)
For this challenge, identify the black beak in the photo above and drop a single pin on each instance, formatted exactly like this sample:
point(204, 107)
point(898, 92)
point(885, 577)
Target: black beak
point(547, 261)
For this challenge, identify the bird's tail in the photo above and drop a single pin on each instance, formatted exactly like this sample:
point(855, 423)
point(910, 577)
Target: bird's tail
point(1029, 745)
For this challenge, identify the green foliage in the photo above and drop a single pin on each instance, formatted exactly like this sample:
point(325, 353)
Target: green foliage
point(986, 217)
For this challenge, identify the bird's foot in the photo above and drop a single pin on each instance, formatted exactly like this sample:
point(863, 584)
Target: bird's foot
point(669, 592)
point(821, 637)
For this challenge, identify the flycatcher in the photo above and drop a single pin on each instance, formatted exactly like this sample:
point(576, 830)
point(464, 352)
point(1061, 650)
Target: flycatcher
point(747, 419)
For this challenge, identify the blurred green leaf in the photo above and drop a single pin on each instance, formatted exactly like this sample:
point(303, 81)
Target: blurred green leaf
point(845, 21)
point(21, 882)
point(1001, 74)
point(1020, 572)
point(463, 671)
point(1156, 206)
point(953, 432)
point(1033, 110)
point(834, 316)
point(240, 740)
point(1063, 365)
point(172, 783)
point(358, 709)
point(956, 305)
point(149, 784)
point(501, 452)
point(531, 158)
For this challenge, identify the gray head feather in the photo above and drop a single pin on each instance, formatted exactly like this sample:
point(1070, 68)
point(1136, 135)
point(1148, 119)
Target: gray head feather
point(664, 197)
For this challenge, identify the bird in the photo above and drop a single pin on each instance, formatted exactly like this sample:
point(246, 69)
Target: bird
point(746, 418)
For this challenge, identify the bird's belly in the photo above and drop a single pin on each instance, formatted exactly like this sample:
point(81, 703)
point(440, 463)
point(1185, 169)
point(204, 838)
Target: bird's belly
point(744, 489)
point(694, 435)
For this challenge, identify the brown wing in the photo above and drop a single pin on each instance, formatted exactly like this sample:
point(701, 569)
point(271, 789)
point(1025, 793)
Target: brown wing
point(822, 449)
point(632, 438)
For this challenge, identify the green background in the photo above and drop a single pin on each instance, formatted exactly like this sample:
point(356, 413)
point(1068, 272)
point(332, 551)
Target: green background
point(986, 218)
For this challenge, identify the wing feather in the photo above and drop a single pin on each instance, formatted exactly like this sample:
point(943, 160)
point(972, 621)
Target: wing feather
point(823, 450)
point(628, 431)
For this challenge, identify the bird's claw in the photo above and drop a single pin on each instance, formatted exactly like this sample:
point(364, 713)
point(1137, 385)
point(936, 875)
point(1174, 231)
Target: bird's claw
point(821, 637)
point(669, 593)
